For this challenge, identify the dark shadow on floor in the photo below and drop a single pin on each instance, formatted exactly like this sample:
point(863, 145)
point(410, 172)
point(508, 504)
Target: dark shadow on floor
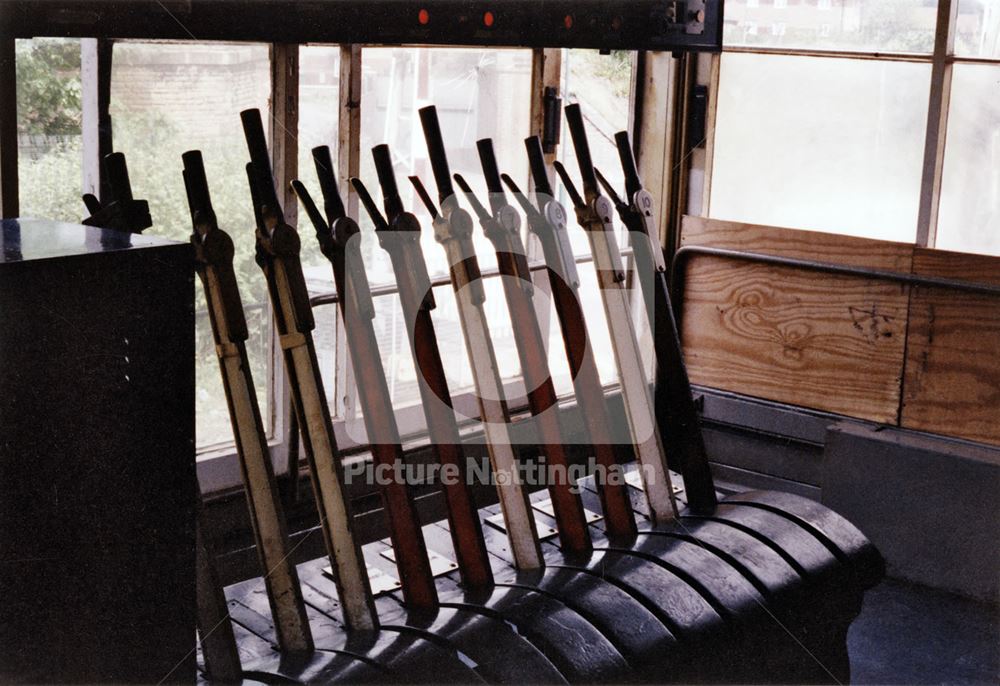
point(913, 635)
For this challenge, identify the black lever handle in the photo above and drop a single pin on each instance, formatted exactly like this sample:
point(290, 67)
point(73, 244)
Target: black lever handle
point(117, 171)
point(574, 194)
point(574, 118)
point(369, 204)
point(610, 190)
point(536, 160)
point(253, 131)
point(332, 202)
point(392, 202)
point(91, 202)
point(477, 206)
point(436, 152)
point(125, 213)
point(196, 182)
point(633, 184)
point(197, 215)
point(491, 170)
point(521, 199)
point(425, 197)
point(254, 182)
point(312, 211)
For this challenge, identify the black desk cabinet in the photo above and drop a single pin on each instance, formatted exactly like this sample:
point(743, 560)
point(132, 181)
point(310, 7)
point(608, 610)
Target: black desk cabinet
point(97, 463)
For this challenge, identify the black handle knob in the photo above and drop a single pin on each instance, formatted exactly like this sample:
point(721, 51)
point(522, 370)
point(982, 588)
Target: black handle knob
point(387, 180)
point(574, 119)
point(540, 175)
point(436, 152)
point(253, 131)
point(332, 202)
point(491, 170)
point(117, 171)
point(633, 184)
point(196, 182)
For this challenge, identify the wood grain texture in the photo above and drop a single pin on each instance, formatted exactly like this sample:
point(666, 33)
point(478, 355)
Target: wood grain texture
point(828, 342)
point(810, 245)
point(831, 343)
point(922, 359)
point(952, 380)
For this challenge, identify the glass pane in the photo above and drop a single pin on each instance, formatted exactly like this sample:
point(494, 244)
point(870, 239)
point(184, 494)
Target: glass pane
point(969, 218)
point(977, 33)
point(170, 97)
point(479, 93)
point(49, 144)
point(319, 109)
point(820, 143)
point(325, 338)
point(602, 86)
point(863, 25)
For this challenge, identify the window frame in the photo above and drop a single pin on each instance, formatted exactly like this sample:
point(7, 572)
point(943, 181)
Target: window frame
point(942, 59)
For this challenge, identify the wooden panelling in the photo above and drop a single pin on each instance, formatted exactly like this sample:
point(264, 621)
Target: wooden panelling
point(922, 358)
point(952, 380)
point(832, 343)
point(809, 245)
point(828, 342)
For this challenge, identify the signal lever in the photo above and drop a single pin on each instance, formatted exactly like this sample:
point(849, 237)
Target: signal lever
point(594, 214)
point(675, 409)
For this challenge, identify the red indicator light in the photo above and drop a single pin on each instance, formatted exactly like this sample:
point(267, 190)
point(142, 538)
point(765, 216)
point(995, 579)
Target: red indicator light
point(488, 19)
point(568, 21)
point(423, 17)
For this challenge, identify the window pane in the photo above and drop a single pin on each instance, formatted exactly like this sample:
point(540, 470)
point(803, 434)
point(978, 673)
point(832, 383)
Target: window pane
point(602, 86)
point(820, 143)
point(50, 150)
point(478, 94)
point(319, 122)
point(864, 25)
point(319, 107)
point(170, 97)
point(969, 218)
point(977, 33)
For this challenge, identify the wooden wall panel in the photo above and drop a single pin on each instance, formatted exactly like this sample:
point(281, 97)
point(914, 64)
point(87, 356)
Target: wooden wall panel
point(952, 380)
point(926, 359)
point(809, 245)
point(831, 343)
point(828, 342)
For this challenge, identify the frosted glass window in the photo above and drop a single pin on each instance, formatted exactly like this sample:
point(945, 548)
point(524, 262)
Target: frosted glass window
point(846, 25)
point(969, 218)
point(825, 144)
point(977, 31)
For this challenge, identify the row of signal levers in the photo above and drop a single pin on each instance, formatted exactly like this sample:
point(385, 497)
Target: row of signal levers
point(398, 232)
point(761, 584)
